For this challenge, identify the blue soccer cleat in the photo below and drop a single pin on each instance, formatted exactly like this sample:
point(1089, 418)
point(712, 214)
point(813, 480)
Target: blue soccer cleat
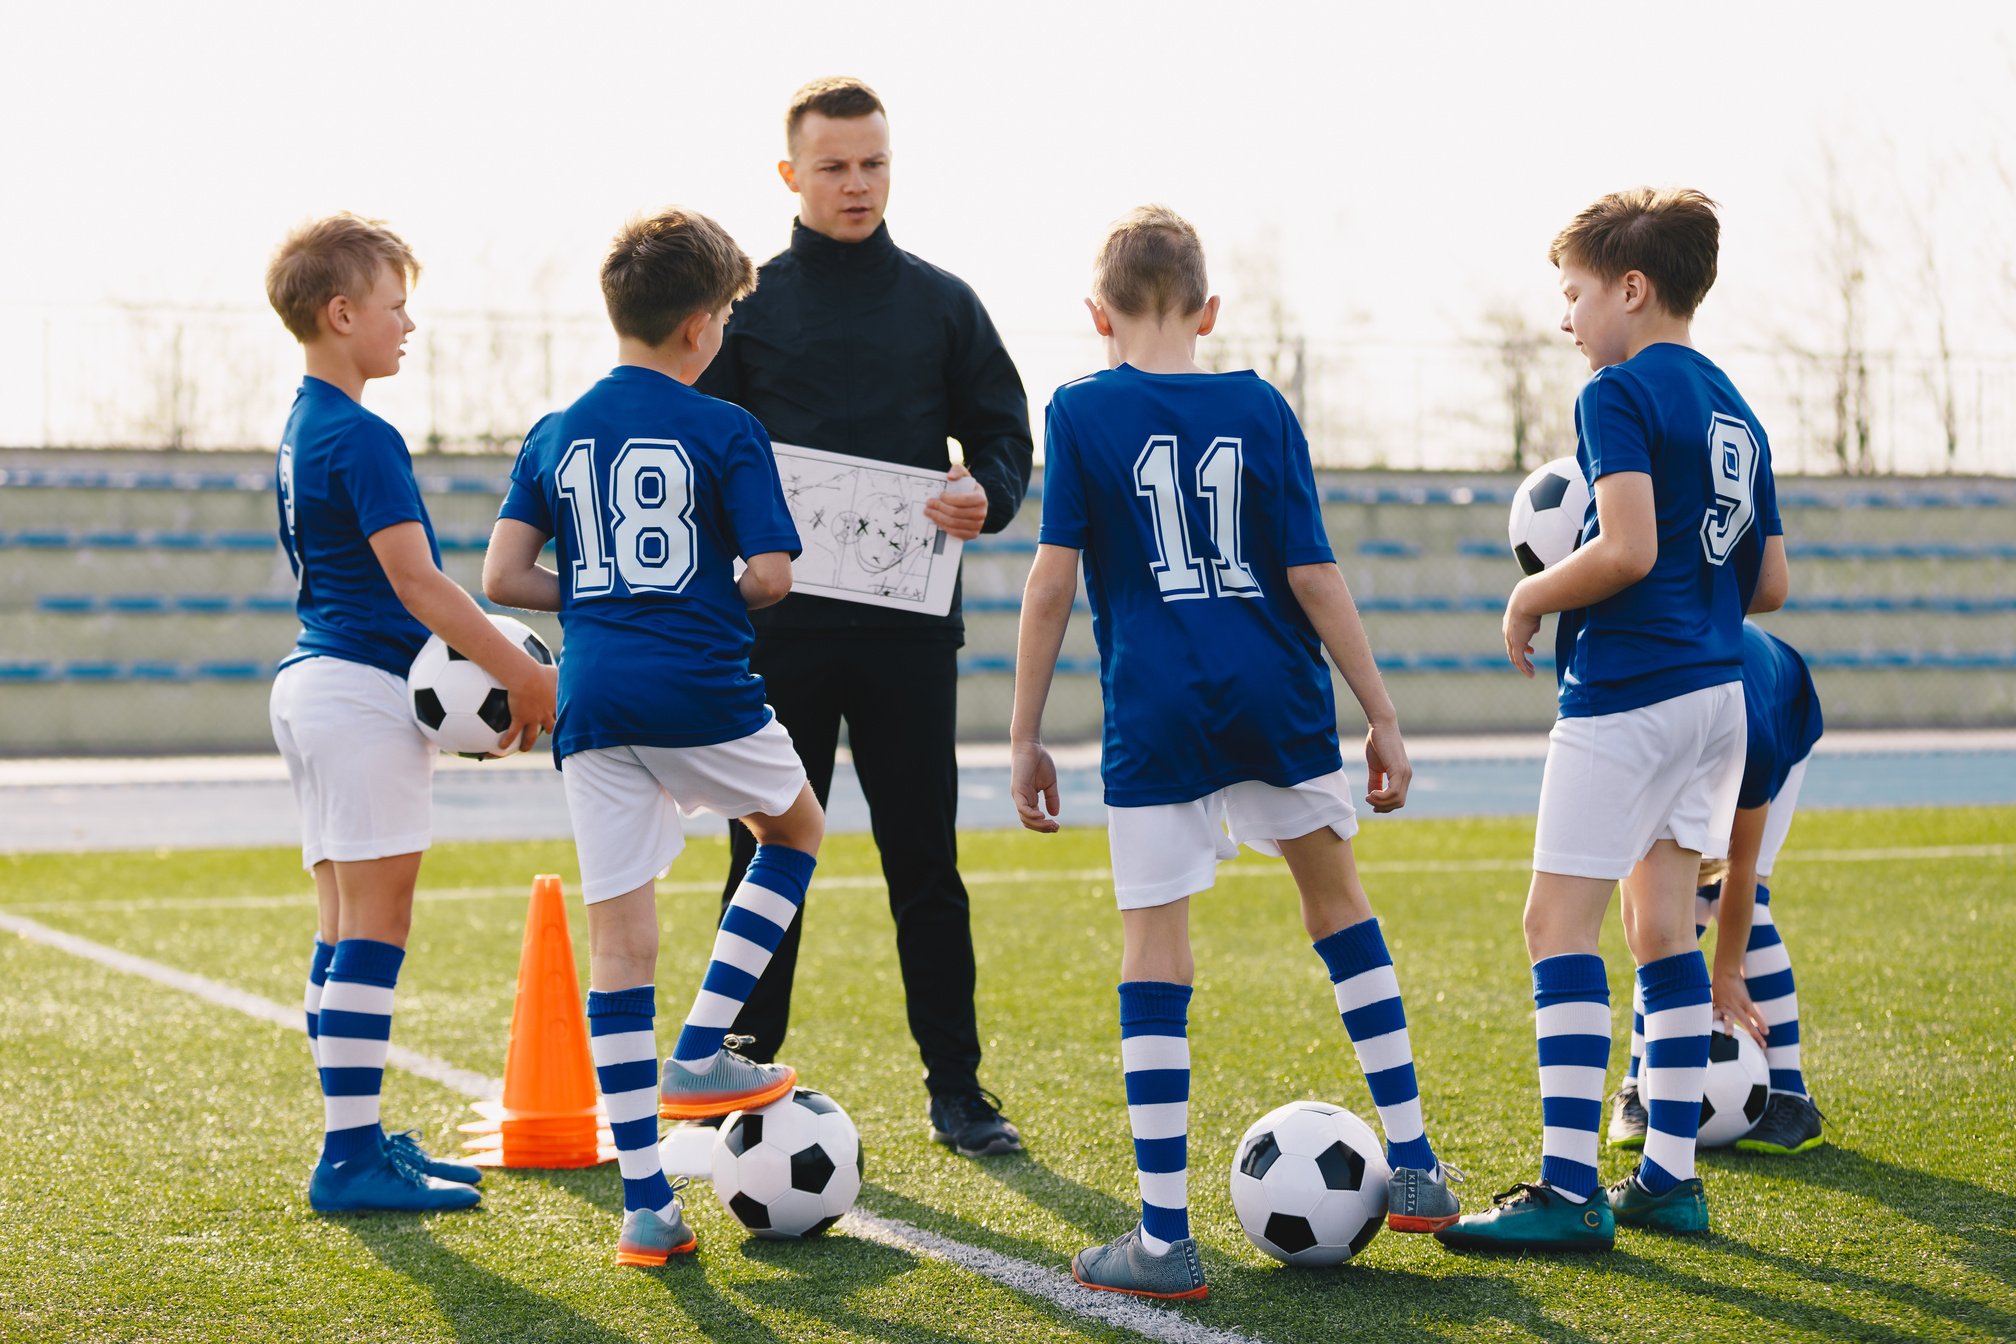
point(384, 1179)
point(407, 1143)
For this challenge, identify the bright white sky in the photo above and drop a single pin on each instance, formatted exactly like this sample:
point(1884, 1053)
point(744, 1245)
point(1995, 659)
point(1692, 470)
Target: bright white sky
point(1408, 163)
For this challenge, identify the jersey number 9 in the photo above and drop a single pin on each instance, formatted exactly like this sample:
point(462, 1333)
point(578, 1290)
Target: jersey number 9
point(1732, 470)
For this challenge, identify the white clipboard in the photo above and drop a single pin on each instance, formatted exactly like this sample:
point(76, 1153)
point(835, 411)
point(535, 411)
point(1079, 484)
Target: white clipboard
point(864, 535)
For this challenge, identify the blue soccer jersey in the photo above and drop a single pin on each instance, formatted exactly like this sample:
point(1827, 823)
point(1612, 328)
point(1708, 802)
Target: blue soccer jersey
point(1783, 711)
point(1669, 412)
point(650, 491)
point(1190, 496)
point(343, 474)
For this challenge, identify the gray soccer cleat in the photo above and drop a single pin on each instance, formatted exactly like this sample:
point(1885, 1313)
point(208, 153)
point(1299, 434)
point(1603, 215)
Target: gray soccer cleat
point(1421, 1201)
point(649, 1241)
point(1790, 1124)
point(1124, 1267)
point(1628, 1119)
point(731, 1083)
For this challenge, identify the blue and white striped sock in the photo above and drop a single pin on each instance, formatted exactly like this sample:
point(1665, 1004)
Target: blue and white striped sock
point(1678, 1018)
point(1155, 1052)
point(1767, 974)
point(768, 900)
point(353, 1034)
point(1704, 910)
point(311, 1002)
point(1571, 999)
point(626, 1069)
point(1368, 998)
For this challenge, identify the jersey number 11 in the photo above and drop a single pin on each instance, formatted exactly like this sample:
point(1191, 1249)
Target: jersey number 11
point(1179, 572)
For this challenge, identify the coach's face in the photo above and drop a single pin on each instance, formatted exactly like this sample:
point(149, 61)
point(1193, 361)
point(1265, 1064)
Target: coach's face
point(840, 170)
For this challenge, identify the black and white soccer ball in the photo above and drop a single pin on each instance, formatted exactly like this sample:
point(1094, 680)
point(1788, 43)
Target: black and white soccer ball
point(789, 1169)
point(1309, 1183)
point(1737, 1086)
point(1547, 512)
point(458, 705)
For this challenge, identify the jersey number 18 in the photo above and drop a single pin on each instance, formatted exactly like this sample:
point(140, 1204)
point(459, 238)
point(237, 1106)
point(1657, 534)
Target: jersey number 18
point(649, 520)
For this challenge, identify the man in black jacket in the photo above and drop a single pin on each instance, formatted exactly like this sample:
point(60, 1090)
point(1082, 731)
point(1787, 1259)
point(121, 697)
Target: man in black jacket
point(851, 345)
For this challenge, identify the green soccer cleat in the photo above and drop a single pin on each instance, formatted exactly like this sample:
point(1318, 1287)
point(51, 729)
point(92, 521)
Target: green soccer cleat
point(1421, 1201)
point(1122, 1266)
point(1790, 1124)
point(1628, 1121)
point(731, 1083)
point(1683, 1209)
point(1534, 1217)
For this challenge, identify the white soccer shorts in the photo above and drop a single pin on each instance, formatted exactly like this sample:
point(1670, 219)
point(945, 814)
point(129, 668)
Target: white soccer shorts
point(1166, 851)
point(1778, 820)
point(363, 773)
point(1617, 783)
point(626, 801)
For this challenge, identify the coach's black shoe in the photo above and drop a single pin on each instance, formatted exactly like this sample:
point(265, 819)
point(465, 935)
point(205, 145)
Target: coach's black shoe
point(1628, 1121)
point(1790, 1124)
point(971, 1124)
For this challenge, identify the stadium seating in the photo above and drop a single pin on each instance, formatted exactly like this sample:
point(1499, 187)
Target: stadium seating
point(143, 599)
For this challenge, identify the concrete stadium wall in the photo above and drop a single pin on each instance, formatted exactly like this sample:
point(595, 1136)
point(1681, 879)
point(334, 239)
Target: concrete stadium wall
point(142, 612)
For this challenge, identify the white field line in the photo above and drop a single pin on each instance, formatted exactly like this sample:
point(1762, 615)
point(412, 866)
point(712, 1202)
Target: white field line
point(1023, 1276)
point(1003, 877)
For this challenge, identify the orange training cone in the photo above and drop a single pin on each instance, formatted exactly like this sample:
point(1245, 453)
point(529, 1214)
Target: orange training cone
point(549, 1115)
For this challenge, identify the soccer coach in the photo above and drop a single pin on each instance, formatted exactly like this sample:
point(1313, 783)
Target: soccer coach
point(852, 345)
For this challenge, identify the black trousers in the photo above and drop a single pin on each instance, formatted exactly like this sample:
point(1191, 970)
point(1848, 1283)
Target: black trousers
point(899, 699)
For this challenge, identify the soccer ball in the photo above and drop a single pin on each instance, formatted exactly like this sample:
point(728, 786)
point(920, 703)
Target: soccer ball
point(1547, 511)
point(1309, 1183)
point(458, 705)
point(1737, 1086)
point(789, 1169)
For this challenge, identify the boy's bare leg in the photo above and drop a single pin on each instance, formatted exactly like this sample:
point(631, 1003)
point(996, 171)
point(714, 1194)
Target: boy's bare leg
point(1659, 909)
point(623, 940)
point(801, 826)
point(327, 920)
point(375, 898)
point(1338, 917)
point(1156, 944)
point(328, 905)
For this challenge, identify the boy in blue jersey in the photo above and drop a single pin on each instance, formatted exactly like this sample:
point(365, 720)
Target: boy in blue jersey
point(1214, 593)
point(651, 491)
point(1643, 764)
point(369, 589)
point(1753, 972)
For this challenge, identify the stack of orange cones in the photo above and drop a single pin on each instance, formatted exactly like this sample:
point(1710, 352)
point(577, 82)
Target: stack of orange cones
point(549, 1115)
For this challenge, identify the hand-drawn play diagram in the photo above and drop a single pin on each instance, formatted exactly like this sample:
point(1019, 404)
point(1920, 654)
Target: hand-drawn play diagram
point(864, 532)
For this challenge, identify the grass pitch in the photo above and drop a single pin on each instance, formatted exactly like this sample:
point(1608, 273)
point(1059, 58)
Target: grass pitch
point(153, 1174)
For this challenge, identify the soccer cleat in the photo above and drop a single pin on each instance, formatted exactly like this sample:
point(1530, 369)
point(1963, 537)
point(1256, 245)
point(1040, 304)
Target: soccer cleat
point(1124, 1267)
point(1628, 1121)
point(648, 1240)
point(1534, 1217)
point(1683, 1209)
point(385, 1179)
point(731, 1083)
point(407, 1142)
point(1421, 1201)
point(971, 1124)
point(1790, 1124)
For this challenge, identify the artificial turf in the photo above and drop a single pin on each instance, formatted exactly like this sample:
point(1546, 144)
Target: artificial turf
point(153, 1173)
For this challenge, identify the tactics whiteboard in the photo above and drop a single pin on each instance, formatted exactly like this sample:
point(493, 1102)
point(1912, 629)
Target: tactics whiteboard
point(865, 537)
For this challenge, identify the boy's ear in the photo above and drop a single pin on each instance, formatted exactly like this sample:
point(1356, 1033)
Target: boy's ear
point(1100, 322)
point(1210, 318)
point(1636, 289)
point(789, 173)
point(690, 330)
point(338, 315)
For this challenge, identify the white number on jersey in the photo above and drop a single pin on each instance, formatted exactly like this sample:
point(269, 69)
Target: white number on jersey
point(1220, 472)
point(650, 517)
point(1732, 468)
point(287, 509)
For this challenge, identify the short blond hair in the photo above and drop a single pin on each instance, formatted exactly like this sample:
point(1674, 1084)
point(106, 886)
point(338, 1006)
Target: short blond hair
point(1669, 235)
point(341, 254)
point(1151, 265)
point(664, 268)
point(839, 97)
